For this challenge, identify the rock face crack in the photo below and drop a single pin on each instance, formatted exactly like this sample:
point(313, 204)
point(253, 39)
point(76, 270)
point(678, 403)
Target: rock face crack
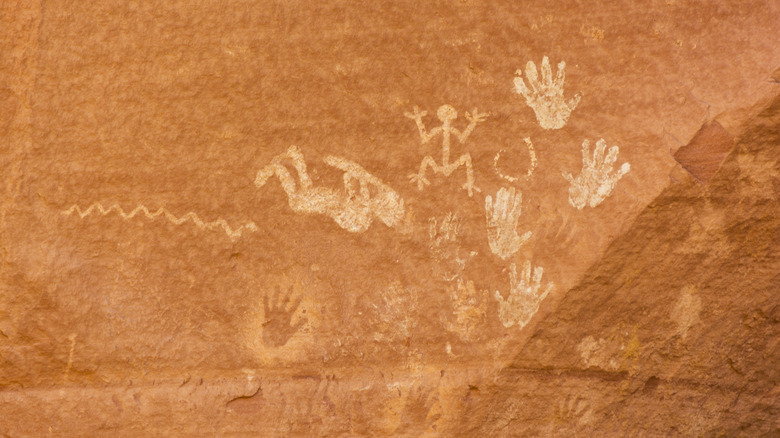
point(237, 400)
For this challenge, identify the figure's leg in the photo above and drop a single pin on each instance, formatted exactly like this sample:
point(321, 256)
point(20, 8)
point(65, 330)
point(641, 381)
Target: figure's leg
point(419, 178)
point(285, 179)
point(465, 160)
point(295, 155)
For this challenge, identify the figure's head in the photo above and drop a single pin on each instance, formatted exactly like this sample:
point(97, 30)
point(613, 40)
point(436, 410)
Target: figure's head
point(446, 113)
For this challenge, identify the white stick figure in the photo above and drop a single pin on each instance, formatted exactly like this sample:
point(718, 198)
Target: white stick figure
point(446, 115)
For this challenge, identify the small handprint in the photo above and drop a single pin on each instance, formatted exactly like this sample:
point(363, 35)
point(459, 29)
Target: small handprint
point(545, 97)
point(597, 180)
point(502, 219)
point(418, 413)
point(524, 296)
point(279, 310)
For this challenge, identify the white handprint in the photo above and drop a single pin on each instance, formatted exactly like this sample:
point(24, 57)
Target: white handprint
point(545, 97)
point(524, 296)
point(502, 222)
point(468, 309)
point(596, 181)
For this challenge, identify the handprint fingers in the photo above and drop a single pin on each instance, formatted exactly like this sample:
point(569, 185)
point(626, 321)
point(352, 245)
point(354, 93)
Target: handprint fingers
point(537, 280)
point(524, 238)
point(293, 301)
point(300, 323)
point(624, 169)
point(265, 302)
point(502, 198)
point(574, 101)
point(598, 153)
point(513, 276)
point(276, 300)
point(546, 72)
point(525, 279)
point(520, 87)
point(586, 161)
point(517, 201)
point(489, 210)
point(610, 159)
point(560, 77)
point(532, 76)
point(285, 299)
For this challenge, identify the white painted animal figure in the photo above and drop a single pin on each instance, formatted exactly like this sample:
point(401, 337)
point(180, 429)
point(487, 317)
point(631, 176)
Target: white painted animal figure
point(364, 197)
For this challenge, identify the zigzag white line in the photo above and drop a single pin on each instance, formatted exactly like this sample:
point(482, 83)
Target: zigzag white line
point(232, 233)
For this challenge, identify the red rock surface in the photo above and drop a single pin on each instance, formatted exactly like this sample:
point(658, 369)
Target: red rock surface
point(320, 319)
point(704, 154)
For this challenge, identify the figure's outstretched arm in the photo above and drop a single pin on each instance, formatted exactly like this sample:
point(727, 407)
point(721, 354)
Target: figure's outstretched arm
point(473, 118)
point(417, 116)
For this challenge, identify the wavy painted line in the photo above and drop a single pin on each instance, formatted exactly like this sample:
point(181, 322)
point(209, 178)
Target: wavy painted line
point(219, 223)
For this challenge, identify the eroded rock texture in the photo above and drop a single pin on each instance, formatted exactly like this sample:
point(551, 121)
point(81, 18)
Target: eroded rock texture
point(391, 219)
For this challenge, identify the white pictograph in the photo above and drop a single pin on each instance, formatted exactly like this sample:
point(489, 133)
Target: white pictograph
point(545, 96)
point(502, 216)
point(233, 233)
point(444, 247)
point(469, 309)
point(531, 167)
point(446, 115)
point(364, 198)
point(596, 180)
point(525, 296)
point(396, 313)
point(444, 230)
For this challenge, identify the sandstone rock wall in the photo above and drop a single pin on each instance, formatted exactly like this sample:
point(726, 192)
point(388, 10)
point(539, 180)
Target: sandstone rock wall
point(391, 219)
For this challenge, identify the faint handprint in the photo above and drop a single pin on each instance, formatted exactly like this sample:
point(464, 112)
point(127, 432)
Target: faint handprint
point(502, 219)
point(525, 295)
point(469, 309)
point(278, 313)
point(597, 180)
point(545, 97)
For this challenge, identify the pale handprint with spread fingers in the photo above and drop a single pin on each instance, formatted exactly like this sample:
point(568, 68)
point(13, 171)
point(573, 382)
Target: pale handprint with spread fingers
point(278, 312)
point(525, 296)
point(597, 179)
point(502, 216)
point(545, 96)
